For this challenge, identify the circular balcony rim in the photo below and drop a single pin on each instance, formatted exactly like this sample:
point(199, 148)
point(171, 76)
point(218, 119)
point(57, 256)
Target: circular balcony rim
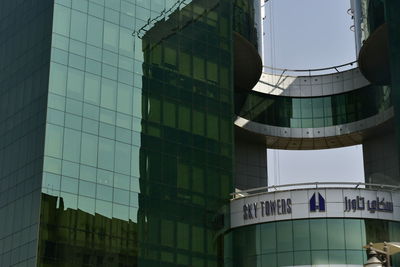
point(353, 132)
point(334, 69)
point(317, 185)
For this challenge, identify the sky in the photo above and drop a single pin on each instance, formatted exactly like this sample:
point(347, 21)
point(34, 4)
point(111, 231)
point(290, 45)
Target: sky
point(307, 34)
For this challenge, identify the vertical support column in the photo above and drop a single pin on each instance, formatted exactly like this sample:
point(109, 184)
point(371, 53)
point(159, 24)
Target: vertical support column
point(250, 161)
point(392, 9)
point(381, 159)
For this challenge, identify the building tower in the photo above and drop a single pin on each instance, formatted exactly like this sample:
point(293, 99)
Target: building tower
point(116, 133)
point(126, 124)
point(323, 225)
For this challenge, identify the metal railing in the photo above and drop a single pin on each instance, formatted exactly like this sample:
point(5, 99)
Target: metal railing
point(311, 72)
point(152, 21)
point(310, 185)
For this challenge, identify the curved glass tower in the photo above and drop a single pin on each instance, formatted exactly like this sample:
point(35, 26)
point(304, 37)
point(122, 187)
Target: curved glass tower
point(317, 242)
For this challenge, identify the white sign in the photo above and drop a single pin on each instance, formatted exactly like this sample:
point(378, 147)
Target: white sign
point(315, 203)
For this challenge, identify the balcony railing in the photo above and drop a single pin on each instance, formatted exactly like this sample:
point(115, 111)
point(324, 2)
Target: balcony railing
point(319, 185)
point(310, 72)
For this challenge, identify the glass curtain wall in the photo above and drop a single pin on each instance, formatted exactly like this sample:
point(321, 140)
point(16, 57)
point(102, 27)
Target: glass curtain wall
point(25, 39)
point(186, 137)
point(138, 149)
point(309, 242)
point(245, 20)
point(377, 12)
point(392, 9)
point(313, 112)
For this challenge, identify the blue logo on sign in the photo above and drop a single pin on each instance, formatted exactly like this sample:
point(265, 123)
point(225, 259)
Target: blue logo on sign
point(317, 204)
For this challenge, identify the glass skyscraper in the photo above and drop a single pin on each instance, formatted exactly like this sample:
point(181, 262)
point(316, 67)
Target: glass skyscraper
point(125, 126)
point(116, 130)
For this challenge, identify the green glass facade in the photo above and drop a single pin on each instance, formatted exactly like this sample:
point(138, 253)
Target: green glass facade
point(187, 136)
point(25, 39)
point(117, 138)
point(244, 12)
point(139, 134)
point(116, 131)
point(314, 112)
point(392, 9)
point(308, 242)
point(377, 13)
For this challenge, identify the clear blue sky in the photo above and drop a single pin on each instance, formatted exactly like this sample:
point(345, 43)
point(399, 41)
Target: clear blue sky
point(311, 34)
point(308, 33)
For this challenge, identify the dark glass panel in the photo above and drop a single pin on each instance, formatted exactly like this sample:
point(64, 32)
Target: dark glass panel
point(313, 112)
